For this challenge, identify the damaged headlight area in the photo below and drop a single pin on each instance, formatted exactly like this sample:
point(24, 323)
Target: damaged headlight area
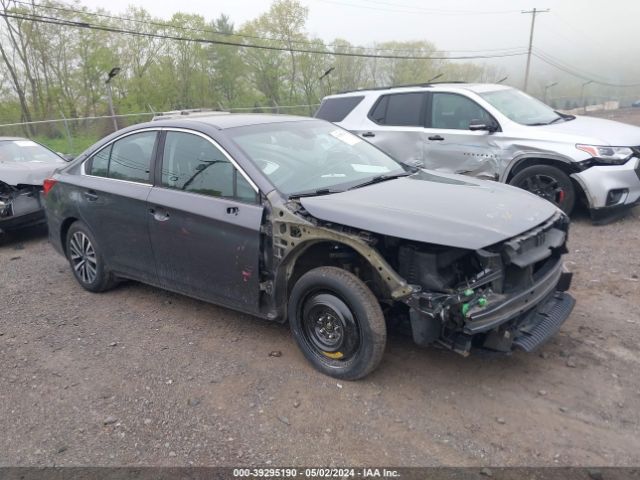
point(506, 296)
point(19, 205)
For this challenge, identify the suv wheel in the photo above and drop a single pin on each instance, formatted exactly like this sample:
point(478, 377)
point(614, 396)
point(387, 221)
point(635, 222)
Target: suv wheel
point(85, 258)
point(337, 323)
point(547, 182)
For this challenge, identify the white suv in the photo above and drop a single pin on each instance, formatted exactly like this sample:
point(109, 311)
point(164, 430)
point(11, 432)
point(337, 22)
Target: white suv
point(499, 133)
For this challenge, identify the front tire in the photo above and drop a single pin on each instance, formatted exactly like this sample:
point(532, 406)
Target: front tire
point(337, 322)
point(86, 259)
point(547, 182)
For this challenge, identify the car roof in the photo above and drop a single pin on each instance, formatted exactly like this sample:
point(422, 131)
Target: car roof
point(4, 139)
point(450, 87)
point(231, 120)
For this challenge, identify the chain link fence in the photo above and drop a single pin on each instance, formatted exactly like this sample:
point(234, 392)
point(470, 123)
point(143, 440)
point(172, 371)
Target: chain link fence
point(70, 136)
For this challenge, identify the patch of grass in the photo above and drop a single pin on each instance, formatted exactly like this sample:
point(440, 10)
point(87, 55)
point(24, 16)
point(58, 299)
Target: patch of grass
point(62, 145)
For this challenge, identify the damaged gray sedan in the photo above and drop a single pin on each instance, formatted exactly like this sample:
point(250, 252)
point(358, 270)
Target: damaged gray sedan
point(24, 165)
point(297, 220)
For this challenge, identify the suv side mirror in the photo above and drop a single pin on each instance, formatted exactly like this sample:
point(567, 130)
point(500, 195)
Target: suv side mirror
point(476, 125)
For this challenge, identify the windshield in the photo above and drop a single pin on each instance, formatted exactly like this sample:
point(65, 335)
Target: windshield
point(21, 151)
point(520, 107)
point(310, 156)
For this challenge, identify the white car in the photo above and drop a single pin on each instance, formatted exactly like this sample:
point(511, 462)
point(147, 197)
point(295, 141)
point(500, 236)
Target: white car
point(499, 133)
point(24, 165)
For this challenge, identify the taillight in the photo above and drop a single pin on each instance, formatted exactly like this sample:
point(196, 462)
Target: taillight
point(47, 185)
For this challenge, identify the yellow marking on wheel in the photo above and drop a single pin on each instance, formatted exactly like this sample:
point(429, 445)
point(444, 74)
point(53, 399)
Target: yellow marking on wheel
point(334, 355)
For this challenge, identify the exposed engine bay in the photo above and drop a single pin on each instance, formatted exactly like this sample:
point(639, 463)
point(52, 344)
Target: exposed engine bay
point(505, 296)
point(487, 298)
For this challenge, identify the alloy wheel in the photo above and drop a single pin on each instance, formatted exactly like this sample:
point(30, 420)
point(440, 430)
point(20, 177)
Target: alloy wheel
point(544, 186)
point(83, 257)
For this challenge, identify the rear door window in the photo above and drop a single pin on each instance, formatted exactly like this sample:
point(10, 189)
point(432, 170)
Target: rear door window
point(126, 159)
point(400, 109)
point(337, 109)
point(193, 164)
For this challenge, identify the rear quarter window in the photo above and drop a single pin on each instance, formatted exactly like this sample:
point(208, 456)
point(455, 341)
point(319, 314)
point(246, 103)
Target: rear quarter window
point(337, 109)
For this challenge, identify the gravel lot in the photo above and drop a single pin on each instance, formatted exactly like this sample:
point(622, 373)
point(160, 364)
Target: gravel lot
point(139, 376)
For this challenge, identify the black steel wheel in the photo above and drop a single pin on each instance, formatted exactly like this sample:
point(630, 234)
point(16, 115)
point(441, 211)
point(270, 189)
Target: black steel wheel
point(86, 260)
point(547, 182)
point(337, 323)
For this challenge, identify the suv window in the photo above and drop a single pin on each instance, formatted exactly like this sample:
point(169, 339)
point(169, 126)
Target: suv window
point(399, 109)
point(453, 111)
point(193, 164)
point(126, 159)
point(336, 109)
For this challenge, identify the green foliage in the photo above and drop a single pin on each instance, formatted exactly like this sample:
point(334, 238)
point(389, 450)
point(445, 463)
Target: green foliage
point(51, 71)
point(78, 143)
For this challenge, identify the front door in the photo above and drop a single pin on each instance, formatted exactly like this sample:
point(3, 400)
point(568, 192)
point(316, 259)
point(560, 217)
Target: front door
point(204, 222)
point(449, 144)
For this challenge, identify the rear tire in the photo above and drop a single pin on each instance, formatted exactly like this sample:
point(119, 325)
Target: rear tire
point(547, 182)
point(86, 259)
point(337, 322)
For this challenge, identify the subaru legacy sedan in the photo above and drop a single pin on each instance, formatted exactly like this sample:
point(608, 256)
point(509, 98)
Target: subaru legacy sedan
point(295, 219)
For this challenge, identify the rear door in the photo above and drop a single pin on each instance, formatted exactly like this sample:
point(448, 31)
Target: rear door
point(451, 146)
point(112, 200)
point(396, 125)
point(205, 220)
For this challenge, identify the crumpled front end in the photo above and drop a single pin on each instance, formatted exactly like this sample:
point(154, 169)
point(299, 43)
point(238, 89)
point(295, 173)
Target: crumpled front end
point(508, 296)
point(19, 206)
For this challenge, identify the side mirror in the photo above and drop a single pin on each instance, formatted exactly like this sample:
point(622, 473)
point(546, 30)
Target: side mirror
point(476, 125)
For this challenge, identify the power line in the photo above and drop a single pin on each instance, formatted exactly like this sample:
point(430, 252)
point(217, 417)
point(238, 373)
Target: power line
point(546, 58)
point(68, 9)
point(69, 23)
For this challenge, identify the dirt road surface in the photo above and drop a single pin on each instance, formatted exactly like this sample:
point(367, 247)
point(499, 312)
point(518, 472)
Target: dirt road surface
point(139, 376)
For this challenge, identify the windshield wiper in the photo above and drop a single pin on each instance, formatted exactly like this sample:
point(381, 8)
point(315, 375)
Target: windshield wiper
point(539, 124)
point(314, 193)
point(381, 178)
point(557, 120)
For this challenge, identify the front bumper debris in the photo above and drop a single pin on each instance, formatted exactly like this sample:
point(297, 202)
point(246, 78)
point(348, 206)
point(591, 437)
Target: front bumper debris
point(488, 318)
point(544, 322)
point(515, 300)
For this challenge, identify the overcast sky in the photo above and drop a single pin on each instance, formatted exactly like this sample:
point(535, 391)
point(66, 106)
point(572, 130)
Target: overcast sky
point(595, 35)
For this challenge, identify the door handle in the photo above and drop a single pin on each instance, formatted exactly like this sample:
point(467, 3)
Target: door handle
point(159, 215)
point(90, 195)
point(436, 137)
point(232, 210)
point(368, 134)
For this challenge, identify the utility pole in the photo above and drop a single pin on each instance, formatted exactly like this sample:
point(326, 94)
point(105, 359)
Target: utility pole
point(533, 13)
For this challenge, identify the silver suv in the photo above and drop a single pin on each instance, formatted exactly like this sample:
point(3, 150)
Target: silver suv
point(499, 133)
